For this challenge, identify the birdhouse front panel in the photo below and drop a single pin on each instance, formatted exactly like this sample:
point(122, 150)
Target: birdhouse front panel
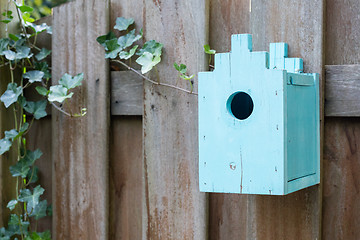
point(247, 122)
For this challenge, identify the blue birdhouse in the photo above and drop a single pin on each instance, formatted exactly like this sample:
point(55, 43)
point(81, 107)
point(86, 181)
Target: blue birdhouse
point(259, 125)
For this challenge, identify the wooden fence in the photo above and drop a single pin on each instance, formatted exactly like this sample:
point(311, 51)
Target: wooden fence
point(129, 169)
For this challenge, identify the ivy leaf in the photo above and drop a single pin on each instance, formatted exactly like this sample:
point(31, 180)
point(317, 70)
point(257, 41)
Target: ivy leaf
point(31, 156)
point(23, 52)
point(8, 15)
point(32, 175)
point(11, 205)
point(104, 38)
point(42, 54)
point(9, 55)
point(182, 68)
point(14, 37)
point(31, 198)
point(58, 93)
point(20, 169)
point(70, 82)
point(17, 226)
point(113, 48)
point(34, 76)
point(27, 18)
point(39, 211)
point(11, 95)
point(38, 28)
point(40, 236)
point(128, 39)
point(42, 91)
point(153, 47)
point(127, 55)
point(25, 8)
point(44, 67)
point(36, 108)
point(5, 145)
point(123, 24)
point(185, 77)
point(4, 43)
point(208, 50)
point(147, 61)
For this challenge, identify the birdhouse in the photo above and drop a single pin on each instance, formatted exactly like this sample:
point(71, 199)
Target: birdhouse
point(259, 126)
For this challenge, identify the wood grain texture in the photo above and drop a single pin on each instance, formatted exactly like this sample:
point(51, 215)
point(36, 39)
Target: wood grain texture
point(126, 93)
point(298, 215)
point(342, 90)
point(341, 158)
point(341, 216)
point(176, 209)
point(126, 178)
point(81, 145)
point(7, 182)
point(40, 137)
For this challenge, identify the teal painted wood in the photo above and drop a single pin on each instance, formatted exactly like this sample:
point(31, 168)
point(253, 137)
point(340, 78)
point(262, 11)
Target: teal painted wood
point(259, 122)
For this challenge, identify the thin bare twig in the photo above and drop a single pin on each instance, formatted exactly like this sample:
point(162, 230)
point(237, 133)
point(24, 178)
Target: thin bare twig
point(152, 81)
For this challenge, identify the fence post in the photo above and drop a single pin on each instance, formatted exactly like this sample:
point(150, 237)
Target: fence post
point(80, 145)
point(175, 207)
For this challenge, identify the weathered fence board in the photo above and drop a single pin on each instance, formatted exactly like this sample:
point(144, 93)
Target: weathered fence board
point(126, 178)
point(341, 152)
point(126, 93)
point(7, 182)
point(81, 145)
point(342, 88)
point(298, 215)
point(176, 208)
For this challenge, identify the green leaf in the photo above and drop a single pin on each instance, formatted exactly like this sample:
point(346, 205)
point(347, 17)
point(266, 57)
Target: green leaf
point(38, 28)
point(182, 68)
point(23, 128)
point(36, 108)
point(9, 55)
point(27, 18)
point(11, 134)
point(128, 39)
point(31, 156)
point(4, 43)
point(39, 211)
point(5, 145)
point(44, 67)
point(185, 77)
point(104, 38)
point(20, 169)
point(208, 50)
point(147, 61)
point(113, 48)
point(11, 95)
point(153, 47)
point(42, 91)
point(13, 37)
point(42, 54)
point(23, 52)
point(8, 17)
point(11, 205)
point(17, 226)
point(32, 175)
point(58, 93)
point(34, 76)
point(70, 82)
point(25, 8)
point(31, 198)
point(123, 24)
point(127, 55)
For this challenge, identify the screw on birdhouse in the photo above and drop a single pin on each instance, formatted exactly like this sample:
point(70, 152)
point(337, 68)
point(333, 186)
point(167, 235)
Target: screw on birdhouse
point(232, 166)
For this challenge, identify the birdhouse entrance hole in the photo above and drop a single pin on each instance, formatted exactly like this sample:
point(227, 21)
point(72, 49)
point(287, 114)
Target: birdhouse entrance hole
point(240, 105)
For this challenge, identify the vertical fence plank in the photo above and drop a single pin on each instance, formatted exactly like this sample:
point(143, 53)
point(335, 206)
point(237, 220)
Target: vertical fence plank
point(127, 211)
point(176, 208)
point(7, 182)
point(341, 209)
point(80, 145)
point(298, 215)
point(126, 178)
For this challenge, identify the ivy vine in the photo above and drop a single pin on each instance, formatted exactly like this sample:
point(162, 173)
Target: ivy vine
point(28, 71)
